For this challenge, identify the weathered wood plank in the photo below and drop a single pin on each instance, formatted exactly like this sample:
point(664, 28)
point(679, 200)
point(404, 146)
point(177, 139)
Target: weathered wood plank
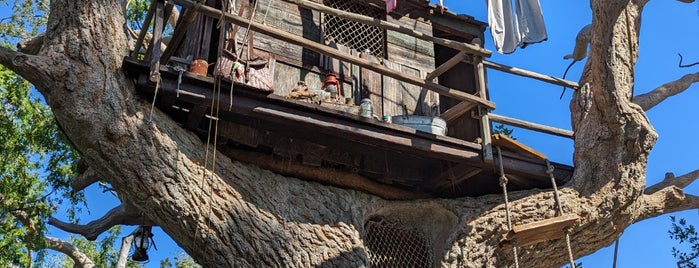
point(530, 74)
point(540, 231)
point(181, 29)
point(323, 175)
point(456, 111)
point(446, 66)
point(503, 141)
point(530, 125)
point(390, 26)
point(154, 52)
point(195, 117)
point(144, 29)
point(410, 43)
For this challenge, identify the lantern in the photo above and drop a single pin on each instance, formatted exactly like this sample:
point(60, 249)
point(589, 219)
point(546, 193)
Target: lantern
point(141, 242)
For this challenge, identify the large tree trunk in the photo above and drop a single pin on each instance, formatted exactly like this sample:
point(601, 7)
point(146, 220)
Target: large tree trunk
point(245, 216)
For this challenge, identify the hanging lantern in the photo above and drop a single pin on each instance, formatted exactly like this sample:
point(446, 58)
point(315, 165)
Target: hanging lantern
point(141, 242)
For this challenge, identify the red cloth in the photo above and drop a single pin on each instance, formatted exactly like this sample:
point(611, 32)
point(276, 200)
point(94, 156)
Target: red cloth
point(391, 5)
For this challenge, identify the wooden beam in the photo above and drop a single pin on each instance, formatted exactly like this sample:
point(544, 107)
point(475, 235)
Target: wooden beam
point(530, 74)
point(446, 66)
point(180, 31)
point(154, 51)
point(195, 116)
point(323, 175)
point(144, 29)
point(532, 126)
point(334, 53)
point(464, 47)
point(456, 111)
point(540, 231)
point(451, 177)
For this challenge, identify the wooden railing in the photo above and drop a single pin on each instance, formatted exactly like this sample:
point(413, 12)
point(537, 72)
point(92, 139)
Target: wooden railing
point(471, 53)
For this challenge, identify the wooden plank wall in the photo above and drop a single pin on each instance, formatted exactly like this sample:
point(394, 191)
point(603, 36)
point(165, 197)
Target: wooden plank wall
point(294, 63)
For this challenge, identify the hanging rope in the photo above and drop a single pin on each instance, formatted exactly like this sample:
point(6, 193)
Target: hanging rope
point(155, 95)
point(559, 210)
point(503, 184)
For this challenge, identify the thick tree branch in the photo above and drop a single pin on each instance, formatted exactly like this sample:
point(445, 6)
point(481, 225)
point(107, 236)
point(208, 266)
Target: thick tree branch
point(81, 260)
point(671, 180)
point(116, 216)
point(36, 69)
point(656, 96)
point(32, 45)
point(84, 179)
point(667, 200)
point(126, 242)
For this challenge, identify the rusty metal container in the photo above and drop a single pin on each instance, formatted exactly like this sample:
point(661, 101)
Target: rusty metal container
point(200, 67)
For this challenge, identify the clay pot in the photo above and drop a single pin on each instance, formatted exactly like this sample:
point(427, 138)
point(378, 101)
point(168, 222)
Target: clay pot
point(200, 67)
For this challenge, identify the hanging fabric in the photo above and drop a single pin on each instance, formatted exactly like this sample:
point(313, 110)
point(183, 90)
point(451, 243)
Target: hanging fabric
point(391, 5)
point(530, 22)
point(507, 35)
point(441, 6)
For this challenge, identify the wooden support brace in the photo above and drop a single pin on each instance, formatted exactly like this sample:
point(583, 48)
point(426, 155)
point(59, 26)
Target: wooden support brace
point(446, 66)
point(456, 111)
point(180, 31)
point(486, 141)
point(154, 48)
point(540, 231)
point(334, 53)
point(195, 116)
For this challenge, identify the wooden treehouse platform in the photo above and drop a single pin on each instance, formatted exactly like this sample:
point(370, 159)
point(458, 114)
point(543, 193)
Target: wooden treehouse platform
point(424, 63)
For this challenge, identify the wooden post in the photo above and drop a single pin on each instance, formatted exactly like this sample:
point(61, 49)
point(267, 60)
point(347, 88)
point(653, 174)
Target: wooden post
point(144, 30)
point(180, 32)
point(482, 88)
point(154, 48)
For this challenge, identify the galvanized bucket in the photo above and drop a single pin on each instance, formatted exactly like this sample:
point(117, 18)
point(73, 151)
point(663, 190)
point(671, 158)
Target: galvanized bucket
point(429, 124)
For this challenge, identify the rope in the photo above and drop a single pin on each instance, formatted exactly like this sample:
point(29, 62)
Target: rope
point(559, 210)
point(503, 184)
point(155, 95)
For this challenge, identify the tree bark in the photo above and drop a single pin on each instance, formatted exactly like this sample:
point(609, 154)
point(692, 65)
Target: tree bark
point(244, 216)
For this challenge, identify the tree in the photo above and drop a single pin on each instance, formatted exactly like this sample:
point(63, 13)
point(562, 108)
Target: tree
point(157, 167)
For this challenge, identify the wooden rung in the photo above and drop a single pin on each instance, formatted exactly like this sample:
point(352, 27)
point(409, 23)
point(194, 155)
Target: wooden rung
point(540, 231)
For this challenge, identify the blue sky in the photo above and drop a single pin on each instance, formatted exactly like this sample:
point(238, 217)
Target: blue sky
point(669, 27)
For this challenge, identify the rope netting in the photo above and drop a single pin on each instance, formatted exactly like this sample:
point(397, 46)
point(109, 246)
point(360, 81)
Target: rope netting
point(392, 244)
point(355, 35)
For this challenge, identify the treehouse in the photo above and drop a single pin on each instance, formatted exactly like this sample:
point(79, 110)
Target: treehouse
point(340, 92)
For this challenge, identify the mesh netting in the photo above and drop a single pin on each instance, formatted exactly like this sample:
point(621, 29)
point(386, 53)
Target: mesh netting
point(355, 35)
point(391, 244)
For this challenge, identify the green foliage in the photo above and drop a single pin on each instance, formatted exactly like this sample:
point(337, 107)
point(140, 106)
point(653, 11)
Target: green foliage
point(27, 20)
point(182, 260)
point(502, 130)
point(30, 148)
point(688, 239)
point(136, 13)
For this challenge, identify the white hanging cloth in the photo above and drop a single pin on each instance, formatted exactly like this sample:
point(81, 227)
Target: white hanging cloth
point(506, 34)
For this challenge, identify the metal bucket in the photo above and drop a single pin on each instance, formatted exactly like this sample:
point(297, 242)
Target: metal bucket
point(429, 124)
